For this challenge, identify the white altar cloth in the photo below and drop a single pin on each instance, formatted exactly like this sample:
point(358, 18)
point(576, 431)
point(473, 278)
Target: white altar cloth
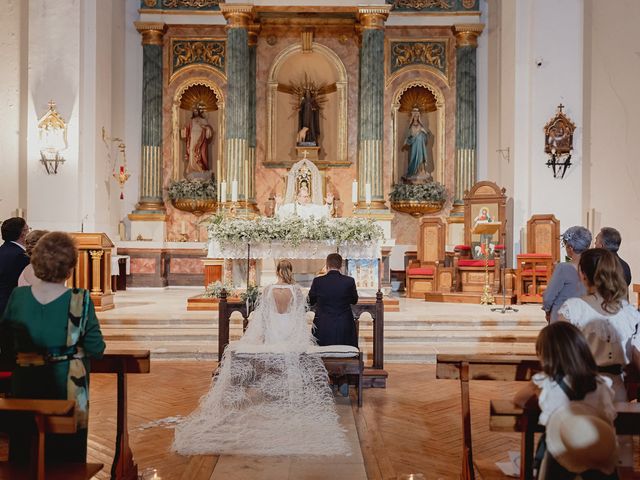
point(306, 250)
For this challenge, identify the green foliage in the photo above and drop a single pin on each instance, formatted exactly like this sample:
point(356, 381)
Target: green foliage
point(197, 189)
point(423, 192)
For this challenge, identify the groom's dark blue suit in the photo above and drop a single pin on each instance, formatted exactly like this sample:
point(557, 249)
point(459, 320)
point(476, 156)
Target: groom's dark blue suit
point(333, 294)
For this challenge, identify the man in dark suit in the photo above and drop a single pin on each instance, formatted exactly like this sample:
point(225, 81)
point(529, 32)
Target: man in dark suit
point(13, 258)
point(333, 294)
point(611, 239)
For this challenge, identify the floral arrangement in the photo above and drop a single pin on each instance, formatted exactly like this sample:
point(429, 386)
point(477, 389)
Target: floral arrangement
point(294, 230)
point(250, 295)
point(422, 192)
point(197, 189)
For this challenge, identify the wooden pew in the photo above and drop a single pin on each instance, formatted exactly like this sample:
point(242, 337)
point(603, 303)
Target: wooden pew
point(507, 417)
point(49, 416)
point(121, 363)
point(374, 376)
point(481, 367)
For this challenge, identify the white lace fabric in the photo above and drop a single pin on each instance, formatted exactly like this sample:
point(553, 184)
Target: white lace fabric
point(276, 402)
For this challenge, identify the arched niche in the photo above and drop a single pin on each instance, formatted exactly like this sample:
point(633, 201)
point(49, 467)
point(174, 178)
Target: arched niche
point(181, 116)
point(433, 121)
point(323, 66)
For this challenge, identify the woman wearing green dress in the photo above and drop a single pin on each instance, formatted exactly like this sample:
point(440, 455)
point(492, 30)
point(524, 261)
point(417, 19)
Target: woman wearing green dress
point(52, 331)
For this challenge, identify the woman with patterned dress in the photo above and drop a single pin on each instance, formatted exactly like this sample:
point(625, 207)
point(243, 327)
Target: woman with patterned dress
point(51, 331)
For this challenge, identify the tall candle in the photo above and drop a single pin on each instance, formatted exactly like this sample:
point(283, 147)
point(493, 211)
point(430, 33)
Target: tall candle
point(234, 191)
point(367, 193)
point(354, 192)
point(223, 192)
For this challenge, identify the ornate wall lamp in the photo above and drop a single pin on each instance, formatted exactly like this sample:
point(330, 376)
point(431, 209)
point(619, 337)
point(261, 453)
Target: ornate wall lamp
point(558, 142)
point(52, 132)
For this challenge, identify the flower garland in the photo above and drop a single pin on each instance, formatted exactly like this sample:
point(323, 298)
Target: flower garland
point(293, 231)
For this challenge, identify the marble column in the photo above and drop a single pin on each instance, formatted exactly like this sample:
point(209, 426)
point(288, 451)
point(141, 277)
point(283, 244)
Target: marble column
point(151, 172)
point(254, 29)
point(237, 124)
point(370, 128)
point(466, 107)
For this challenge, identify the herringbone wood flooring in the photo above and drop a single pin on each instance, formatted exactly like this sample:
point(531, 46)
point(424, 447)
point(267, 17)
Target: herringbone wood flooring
point(412, 426)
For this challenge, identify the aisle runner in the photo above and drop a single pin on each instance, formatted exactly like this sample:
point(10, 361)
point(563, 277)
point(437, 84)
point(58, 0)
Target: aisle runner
point(242, 467)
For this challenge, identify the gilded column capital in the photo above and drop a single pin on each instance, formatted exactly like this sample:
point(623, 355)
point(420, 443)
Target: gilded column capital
point(254, 30)
point(151, 32)
point(237, 16)
point(373, 18)
point(467, 34)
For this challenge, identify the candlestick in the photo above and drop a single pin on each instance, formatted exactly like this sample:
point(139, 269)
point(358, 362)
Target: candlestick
point(223, 192)
point(367, 193)
point(354, 192)
point(234, 191)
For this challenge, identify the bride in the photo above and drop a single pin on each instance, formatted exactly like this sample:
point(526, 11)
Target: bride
point(268, 397)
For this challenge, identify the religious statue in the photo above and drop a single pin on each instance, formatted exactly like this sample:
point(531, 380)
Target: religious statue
point(197, 135)
point(304, 193)
point(420, 165)
point(309, 98)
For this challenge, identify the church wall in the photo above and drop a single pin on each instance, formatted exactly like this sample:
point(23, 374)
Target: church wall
point(613, 68)
point(12, 30)
point(342, 40)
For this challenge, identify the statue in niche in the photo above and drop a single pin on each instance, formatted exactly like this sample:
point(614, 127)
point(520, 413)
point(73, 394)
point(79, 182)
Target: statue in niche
point(308, 100)
point(420, 159)
point(197, 135)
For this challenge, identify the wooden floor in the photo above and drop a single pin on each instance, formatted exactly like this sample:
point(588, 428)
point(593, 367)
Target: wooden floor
point(412, 426)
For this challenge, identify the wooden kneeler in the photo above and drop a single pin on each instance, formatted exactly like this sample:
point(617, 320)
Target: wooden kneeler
point(49, 416)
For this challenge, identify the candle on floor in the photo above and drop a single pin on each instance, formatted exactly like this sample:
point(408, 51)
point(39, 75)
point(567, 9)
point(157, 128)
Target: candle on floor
point(354, 192)
point(367, 193)
point(223, 192)
point(234, 191)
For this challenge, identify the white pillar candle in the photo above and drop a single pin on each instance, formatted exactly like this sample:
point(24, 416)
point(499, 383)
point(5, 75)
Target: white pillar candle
point(223, 192)
point(354, 192)
point(234, 191)
point(367, 193)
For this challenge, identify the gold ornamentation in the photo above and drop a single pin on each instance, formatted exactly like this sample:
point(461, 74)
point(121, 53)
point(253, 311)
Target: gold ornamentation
point(199, 95)
point(307, 41)
point(418, 97)
point(467, 35)
point(373, 17)
point(196, 206)
point(272, 40)
point(186, 52)
point(190, 3)
point(120, 173)
point(468, 4)
point(150, 3)
point(422, 4)
point(237, 16)
point(425, 53)
point(558, 134)
point(416, 208)
point(151, 32)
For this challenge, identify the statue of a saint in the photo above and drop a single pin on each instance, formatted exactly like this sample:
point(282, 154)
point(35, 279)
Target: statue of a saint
point(420, 166)
point(197, 135)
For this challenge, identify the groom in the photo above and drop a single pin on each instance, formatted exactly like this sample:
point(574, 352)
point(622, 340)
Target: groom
point(333, 294)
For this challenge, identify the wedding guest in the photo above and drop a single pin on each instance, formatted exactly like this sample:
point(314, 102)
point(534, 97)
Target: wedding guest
point(565, 282)
point(13, 258)
point(27, 277)
point(51, 331)
point(611, 239)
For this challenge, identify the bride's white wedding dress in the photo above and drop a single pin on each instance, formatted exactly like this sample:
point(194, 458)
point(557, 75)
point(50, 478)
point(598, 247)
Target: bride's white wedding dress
point(268, 398)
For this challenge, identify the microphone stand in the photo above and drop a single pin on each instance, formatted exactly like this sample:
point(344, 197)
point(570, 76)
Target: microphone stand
point(503, 271)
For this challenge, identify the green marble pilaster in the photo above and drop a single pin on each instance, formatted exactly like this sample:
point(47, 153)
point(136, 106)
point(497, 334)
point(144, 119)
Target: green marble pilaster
point(252, 114)
point(151, 162)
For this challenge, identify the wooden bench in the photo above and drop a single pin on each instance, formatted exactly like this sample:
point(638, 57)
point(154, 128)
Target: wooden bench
point(122, 363)
point(48, 416)
point(481, 367)
point(507, 417)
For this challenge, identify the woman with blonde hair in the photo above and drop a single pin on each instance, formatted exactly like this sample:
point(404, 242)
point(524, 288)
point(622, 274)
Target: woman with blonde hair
point(27, 277)
point(270, 396)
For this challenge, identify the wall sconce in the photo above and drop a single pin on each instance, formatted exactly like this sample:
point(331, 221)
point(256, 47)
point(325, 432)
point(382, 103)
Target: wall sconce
point(119, 172)
point(52, 131)
point(558, 142)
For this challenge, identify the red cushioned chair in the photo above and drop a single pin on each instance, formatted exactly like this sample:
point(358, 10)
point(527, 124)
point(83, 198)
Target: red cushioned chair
point(536, 267)
point(422, 274)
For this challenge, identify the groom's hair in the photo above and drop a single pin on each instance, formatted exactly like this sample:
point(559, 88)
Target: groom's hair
point(334, 261)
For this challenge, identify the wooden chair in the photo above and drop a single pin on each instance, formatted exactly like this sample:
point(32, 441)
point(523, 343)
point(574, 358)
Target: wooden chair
point(468, 266)
point(536, 266)
point(48, 416)
point(423, 273)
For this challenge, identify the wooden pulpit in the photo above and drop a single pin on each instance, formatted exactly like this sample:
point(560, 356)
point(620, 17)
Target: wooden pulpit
point(93, 270)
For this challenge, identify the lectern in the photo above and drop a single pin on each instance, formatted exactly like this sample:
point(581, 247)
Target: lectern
point(93, 270)
point(486, 230)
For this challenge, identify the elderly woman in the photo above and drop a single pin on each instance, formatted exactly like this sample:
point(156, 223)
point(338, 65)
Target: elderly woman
point(52, 331)
point(565, 281)
point(27, 277)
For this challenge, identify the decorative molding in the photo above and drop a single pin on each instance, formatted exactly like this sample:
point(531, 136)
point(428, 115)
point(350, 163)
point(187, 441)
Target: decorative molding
point(152, 32)
point(429, 53)
point(467, 34)
point(373, 17)
point(202, 5)
point(237, 16)
point(205, 52)
point(435, 6)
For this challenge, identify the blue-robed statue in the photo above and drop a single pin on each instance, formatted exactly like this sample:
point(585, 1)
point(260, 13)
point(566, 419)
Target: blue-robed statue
point(420, 165)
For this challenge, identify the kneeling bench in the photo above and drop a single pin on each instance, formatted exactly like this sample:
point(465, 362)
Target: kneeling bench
point(339, 360)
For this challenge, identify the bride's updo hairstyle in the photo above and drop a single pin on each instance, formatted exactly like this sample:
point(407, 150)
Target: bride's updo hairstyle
point(602, 270)
point(284, 271)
